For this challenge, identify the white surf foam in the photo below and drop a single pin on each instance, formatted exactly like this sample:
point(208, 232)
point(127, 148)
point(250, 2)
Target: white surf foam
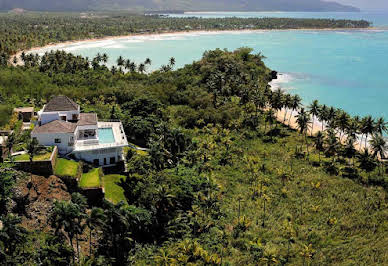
point(282, 81)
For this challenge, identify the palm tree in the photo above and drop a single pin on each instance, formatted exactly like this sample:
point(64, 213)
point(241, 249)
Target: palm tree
point(332, 144)
point(319, 141)
point(277, 100)
point(295, 105)
point(98, 58)
point(127, 64)
point(147, 61)
point(379, 147)
point(381, 125)
point(367, 128)
point(104, 58)
point(64, 218)
point(172, 62)
point(287, 105)
point(141, 68)
point(270, 118)
point(331, 114)
point(32, 149)
point(95, 219)
point(314, 111)
point(353, 128)
point(11, 140)
point(349, 150)
point(303, 122)
point(113, 70)
point(342, 121)
point(132, 67)
point(120, 61)
point(322, 115)
point(366, 161)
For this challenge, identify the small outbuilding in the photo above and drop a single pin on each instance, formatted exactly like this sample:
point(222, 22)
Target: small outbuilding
point(25, 113)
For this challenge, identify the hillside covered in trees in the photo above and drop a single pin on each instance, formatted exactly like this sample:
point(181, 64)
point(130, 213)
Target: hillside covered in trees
point(222, 182)
point(184, 5)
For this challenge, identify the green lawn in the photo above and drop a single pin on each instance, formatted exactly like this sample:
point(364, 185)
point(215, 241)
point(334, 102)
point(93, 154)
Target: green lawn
point(91, 179)
point(113, 192)
point(26, 157)
point(66, 168)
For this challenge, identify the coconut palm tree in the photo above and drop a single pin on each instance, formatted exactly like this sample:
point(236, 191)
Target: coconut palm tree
point(379, 147)
point(287, 105)
point(331, 114)
point(104, 58)
point(269, 118)
point(295, 105)
point(332, 144)
point(113, 70)
point(132, 67)
point(318, 142)
point(65, 220)
point(342, 122)
point(366, 161)
point(367, 128)
point(353, 128)
point(32, 149)
point(127, 64)
point(314, 111)
point(95, 219)
point(11, 140)
point(98, 57)
point(303, 121)
point(147, 61)
point(141, 68)
point(172, 62)
point(120, 61)
point(349, 151)
point(277, 100)
point(322, 115)
point(381, 126)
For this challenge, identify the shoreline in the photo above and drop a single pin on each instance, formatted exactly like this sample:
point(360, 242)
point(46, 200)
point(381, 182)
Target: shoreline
point(291, 122)
point(174, 33)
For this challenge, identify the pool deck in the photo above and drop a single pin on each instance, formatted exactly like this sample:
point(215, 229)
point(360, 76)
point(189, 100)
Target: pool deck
point(118, 133)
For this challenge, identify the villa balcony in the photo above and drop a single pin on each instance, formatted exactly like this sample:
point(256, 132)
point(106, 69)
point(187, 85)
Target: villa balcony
point(110, 135)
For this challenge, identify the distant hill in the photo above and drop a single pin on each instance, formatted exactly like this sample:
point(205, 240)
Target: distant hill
point(186, 5)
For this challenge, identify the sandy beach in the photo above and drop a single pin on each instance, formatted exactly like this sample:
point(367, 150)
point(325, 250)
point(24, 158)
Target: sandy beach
point(59, 45)
point(313, 130)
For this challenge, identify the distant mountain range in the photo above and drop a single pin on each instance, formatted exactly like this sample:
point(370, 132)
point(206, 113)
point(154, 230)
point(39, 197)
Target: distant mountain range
point(182, 5)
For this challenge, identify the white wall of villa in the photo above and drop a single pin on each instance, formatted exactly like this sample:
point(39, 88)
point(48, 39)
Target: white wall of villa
point(101, 157)
point(61, 140)
point(47, 117)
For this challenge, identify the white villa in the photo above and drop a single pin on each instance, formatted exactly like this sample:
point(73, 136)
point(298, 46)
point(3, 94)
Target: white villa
point(61, 124)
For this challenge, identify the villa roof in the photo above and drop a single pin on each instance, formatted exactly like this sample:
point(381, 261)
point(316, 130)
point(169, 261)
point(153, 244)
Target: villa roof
point(56, 126)
point(24, 110)
point(87, 119)
point(60, 103)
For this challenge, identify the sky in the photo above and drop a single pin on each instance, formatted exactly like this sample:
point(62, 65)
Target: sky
point(366, 4)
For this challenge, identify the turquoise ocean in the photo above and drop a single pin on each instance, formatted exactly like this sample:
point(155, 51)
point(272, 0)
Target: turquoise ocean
point(342, 68)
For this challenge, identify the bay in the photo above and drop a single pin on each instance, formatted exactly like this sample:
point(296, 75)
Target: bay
point(342, 68)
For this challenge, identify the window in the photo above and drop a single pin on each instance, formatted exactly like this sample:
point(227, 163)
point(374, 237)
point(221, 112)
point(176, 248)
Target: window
point(96, 162)
point(112, 160)
point(57, 140)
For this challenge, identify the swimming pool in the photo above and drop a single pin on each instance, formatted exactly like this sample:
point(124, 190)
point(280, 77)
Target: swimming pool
point(105, 135)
